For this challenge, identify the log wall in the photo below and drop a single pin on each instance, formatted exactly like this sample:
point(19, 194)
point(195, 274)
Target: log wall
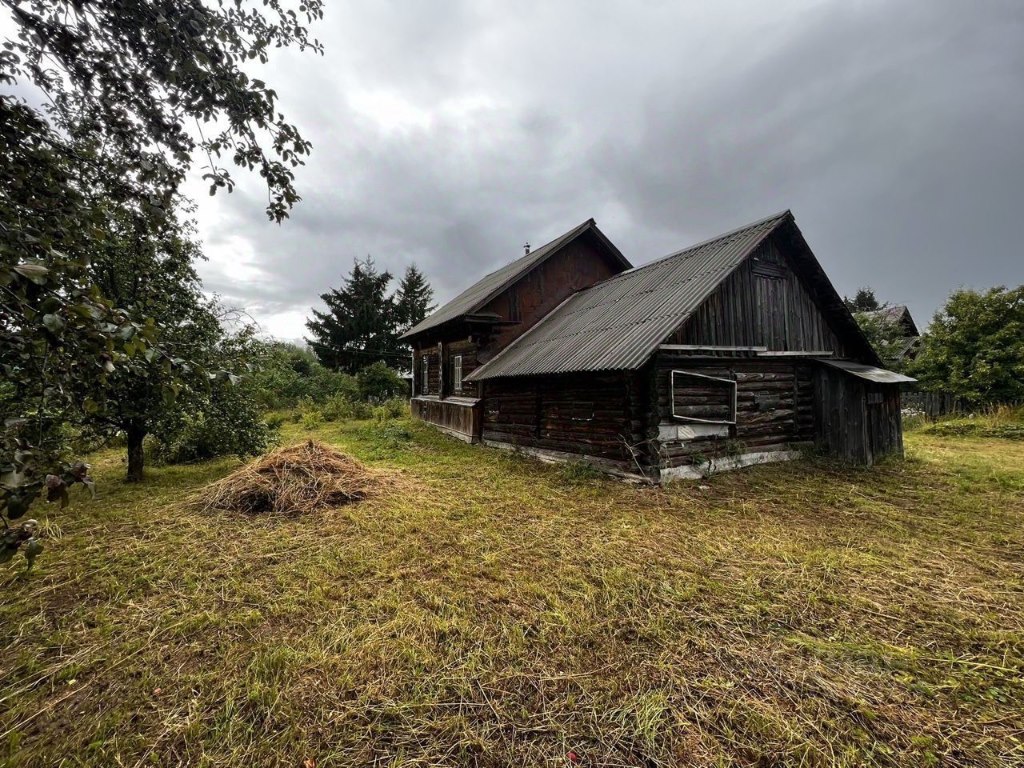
point(468, 349)
point(518, 308)
point(597, 415)
point(433, 371)
point(774, 408)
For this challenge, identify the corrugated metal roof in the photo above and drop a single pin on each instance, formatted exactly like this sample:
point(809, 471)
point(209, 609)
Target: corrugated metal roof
point(869, 372)
point(478, 294)
point(618, 323)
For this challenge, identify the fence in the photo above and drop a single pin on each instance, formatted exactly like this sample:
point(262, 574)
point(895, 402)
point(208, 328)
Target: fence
point(934, 405)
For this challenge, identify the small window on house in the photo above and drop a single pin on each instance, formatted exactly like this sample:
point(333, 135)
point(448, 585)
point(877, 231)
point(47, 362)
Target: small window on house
point(425, 387)
point(457, 373)
point(703, 399)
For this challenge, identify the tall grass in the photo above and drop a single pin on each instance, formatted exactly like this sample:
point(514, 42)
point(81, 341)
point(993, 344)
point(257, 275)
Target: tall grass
point(995, 421)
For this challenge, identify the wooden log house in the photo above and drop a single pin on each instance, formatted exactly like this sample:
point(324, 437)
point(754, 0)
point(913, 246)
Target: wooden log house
point(731, 352)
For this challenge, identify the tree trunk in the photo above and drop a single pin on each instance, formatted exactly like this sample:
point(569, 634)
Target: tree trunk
point(136, 456)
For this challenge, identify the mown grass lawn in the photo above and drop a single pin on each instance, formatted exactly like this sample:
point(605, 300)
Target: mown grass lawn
point(494, 611)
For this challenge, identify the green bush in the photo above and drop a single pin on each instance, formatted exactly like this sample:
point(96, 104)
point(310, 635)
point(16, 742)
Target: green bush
point(226, 421)
point(342, 408)
point(285, 375)
point(312, 419)
point(275, 420)
point(203, 436)
point(378, 383)
point(395, 408)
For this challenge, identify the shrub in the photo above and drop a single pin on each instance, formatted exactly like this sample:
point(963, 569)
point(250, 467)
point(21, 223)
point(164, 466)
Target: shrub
point(312, 419)
point(285, 375)
point(397, 407)
point(362, 410)
point(343, 408)
point(325, 384)
point(203, 436)
point(275, 421)
point(394, 408)
point(227, 422)
point(378, 382)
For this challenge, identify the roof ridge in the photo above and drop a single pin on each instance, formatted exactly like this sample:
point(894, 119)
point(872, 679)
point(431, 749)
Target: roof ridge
point(724, 236)
point(487, 287)
point(717, 238)
point(539, 249)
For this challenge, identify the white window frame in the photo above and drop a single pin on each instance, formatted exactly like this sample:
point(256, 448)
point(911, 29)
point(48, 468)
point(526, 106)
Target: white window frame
point(457, 373)
point(426, 375)
point(693, 374)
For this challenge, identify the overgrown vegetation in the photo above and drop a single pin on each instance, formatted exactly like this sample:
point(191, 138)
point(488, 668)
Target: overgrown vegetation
point(1002, 421)
point(797, 614)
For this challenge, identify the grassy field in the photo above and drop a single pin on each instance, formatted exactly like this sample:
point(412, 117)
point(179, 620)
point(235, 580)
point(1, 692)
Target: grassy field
point(489, 610)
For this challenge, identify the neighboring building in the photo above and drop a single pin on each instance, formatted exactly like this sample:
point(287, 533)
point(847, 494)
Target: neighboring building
point(901, 337)
point(734, 351)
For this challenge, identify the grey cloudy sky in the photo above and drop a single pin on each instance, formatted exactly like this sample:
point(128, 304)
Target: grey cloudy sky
point(447, 133)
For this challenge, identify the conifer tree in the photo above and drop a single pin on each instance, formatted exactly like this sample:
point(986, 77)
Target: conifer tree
point(413, 299)
point(359, 326)
point(363, 320)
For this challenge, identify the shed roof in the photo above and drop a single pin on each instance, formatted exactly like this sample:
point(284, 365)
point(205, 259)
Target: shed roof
point(618, 323)
point(480, 293)
point(869, 372)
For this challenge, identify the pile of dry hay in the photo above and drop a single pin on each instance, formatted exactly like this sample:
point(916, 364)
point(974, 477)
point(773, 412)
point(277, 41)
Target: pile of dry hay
point(293, 480)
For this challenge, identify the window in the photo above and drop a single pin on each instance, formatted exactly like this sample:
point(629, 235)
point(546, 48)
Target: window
point(457, 373)
point(425, 387)
point(702, 398)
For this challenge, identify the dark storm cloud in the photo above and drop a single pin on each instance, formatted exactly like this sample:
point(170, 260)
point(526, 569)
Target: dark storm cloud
point(448, 137)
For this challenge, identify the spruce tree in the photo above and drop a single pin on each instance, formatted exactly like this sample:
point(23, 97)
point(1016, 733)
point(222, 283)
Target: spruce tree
point(413, 299)
point(359, 325)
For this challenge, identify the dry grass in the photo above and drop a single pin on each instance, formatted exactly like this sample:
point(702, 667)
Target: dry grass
point(298, 479)
point(499, 612)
